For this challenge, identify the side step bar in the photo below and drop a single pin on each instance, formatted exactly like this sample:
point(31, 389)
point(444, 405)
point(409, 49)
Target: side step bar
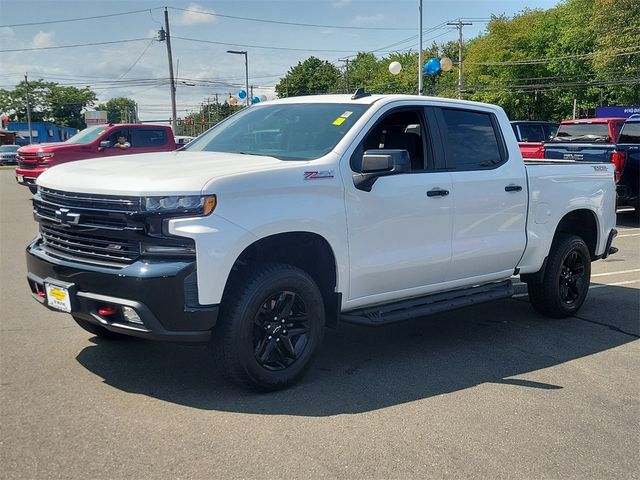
point(427, 305)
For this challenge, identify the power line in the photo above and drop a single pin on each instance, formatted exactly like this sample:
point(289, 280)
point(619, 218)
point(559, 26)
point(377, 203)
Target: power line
point(73, 46)
point(279, 22)
point(137, 60)
point(565, 57)
point(263, 46)
point(78, 19)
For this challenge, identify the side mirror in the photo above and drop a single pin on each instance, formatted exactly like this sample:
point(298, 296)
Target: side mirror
point(104, 144)
point(381, 163)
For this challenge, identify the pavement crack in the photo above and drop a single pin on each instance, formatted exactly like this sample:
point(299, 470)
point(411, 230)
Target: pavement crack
point(610, 327)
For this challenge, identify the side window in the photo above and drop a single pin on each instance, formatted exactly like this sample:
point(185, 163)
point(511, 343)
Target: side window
point(113, 137)
point(148, 137)
point(471, 141)
point(550, 131)
point(531, 133)
point(402, 130)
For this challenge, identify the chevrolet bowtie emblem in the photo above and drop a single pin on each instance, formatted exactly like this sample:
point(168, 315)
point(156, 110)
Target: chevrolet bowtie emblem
point(65, 217)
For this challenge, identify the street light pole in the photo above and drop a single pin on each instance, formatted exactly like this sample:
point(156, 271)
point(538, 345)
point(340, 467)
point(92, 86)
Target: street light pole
point(420, 74)
point(246, 69)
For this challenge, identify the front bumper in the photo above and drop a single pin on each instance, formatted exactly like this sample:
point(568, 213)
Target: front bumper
point(162, 292)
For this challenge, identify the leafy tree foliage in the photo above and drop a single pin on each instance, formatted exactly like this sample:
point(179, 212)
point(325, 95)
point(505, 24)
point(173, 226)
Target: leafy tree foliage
point(533, 65)
point(313, 76)
point(119, 110)
point(49, 102)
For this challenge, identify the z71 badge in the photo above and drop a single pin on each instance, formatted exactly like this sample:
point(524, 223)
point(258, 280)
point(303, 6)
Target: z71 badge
point(318, 175)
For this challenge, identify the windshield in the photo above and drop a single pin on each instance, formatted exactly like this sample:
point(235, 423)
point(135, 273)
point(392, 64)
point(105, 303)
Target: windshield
point(583, 131)
point(302, 131)
point(87, 135)
point(9, 148)
point(630, 133)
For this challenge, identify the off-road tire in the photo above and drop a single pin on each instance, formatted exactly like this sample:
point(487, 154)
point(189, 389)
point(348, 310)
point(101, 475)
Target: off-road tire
point(243, 341)
point(566, 279)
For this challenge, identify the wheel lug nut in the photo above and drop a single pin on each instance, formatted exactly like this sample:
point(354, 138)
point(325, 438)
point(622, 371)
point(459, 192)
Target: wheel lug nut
point(275, 319)
point(270, 337)
point(283, 320)
point(277, 339)
point(284, 332)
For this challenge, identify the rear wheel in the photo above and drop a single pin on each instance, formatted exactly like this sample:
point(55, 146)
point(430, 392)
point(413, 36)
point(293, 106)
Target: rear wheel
point(271, 323)
point(565, 284)
point(97, 330)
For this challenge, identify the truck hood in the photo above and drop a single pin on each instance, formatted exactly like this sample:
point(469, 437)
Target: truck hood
point(48, 146)
point(158, 173)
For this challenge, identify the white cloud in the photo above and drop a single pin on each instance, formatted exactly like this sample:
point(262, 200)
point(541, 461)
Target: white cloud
point(340, 3)
point(365, 20)
point(43, 39)
point(7, 34)
point(195, 14)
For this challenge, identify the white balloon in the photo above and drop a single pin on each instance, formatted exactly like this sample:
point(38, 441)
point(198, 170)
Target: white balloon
point(446, 64)
point(263, 98)
point(395, 68)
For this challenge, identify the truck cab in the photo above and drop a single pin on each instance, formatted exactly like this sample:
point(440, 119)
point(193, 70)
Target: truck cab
point(94, 142)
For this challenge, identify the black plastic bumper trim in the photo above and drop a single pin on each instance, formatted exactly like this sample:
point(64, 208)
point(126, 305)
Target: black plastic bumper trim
point(156, 290)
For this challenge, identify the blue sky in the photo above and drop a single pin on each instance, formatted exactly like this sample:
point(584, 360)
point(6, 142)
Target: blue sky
point(129, 69)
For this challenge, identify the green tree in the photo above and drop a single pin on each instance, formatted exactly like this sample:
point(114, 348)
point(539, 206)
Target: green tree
point(119, 110)
point(313, 76)
point(49, 102)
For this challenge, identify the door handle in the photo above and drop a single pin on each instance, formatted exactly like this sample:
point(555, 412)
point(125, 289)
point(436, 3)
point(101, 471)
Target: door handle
point(513, 188)
point(437, 192)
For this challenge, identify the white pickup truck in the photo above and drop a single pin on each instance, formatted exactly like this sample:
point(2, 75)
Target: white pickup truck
point(295, 214)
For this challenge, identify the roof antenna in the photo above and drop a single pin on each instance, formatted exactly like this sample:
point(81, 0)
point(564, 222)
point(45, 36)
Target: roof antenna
point(360, 93)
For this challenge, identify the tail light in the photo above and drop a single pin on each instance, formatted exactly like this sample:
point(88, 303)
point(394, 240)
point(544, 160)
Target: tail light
point(539, 153)
point(618, 159)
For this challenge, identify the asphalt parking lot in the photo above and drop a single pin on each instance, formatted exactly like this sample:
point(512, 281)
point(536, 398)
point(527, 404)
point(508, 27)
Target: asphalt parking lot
point(493, 391)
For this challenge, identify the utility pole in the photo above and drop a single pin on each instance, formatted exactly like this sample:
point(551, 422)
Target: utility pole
point(172, 81)
point(26, 83)
point(459, 24)
point(420, 74)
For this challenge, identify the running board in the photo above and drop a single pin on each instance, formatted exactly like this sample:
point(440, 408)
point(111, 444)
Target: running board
point(427, 305)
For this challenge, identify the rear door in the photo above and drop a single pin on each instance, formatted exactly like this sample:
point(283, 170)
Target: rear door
point(489, 195)
point(148, 139)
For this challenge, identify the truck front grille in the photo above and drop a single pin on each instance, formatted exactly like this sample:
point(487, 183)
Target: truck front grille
point(105, 230)
point(67, 243)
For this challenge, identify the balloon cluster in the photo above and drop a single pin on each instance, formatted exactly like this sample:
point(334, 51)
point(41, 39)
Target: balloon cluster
point(242, 94)
point(434, 65)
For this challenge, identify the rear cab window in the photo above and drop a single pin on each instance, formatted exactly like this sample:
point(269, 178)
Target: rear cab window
point(148, 137)
point(472, 139)
point(630, 133)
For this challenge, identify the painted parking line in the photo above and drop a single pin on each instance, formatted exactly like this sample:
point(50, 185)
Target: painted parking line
point(619, 272)
point(615, 284)
point(628, 235)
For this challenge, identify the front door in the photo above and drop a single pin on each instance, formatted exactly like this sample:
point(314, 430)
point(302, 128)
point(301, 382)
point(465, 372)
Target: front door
point(400, 231)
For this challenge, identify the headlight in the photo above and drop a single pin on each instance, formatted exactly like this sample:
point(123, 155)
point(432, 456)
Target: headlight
point(196, 204)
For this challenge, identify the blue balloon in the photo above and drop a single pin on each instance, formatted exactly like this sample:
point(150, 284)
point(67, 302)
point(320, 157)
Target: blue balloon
point(242, 94)
point(432, 66)
point(255, 100)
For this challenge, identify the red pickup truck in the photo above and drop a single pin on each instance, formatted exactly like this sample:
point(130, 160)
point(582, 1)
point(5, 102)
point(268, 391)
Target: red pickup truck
point(93, 142)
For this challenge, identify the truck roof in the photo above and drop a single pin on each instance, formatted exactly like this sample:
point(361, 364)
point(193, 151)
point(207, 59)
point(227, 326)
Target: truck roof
point(370, 99)
point(592, 120)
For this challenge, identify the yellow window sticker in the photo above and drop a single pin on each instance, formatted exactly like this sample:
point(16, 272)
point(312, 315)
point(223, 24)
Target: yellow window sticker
point(339, 121)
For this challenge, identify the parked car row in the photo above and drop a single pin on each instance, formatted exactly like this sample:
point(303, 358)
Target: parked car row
point(8, 154)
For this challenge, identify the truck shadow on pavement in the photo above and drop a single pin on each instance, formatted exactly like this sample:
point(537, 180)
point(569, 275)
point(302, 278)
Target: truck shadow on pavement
point(363, 369)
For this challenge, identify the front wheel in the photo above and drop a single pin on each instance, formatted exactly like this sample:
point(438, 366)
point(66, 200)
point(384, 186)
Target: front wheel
point(566, 280)
point(271, 323)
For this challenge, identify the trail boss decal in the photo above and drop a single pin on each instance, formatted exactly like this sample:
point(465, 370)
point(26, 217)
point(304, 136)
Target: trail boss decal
point(319, 175)
point(600, 168)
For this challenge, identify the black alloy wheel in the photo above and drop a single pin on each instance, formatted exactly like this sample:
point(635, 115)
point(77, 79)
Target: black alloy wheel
point(281, 331)
point(571, 279)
